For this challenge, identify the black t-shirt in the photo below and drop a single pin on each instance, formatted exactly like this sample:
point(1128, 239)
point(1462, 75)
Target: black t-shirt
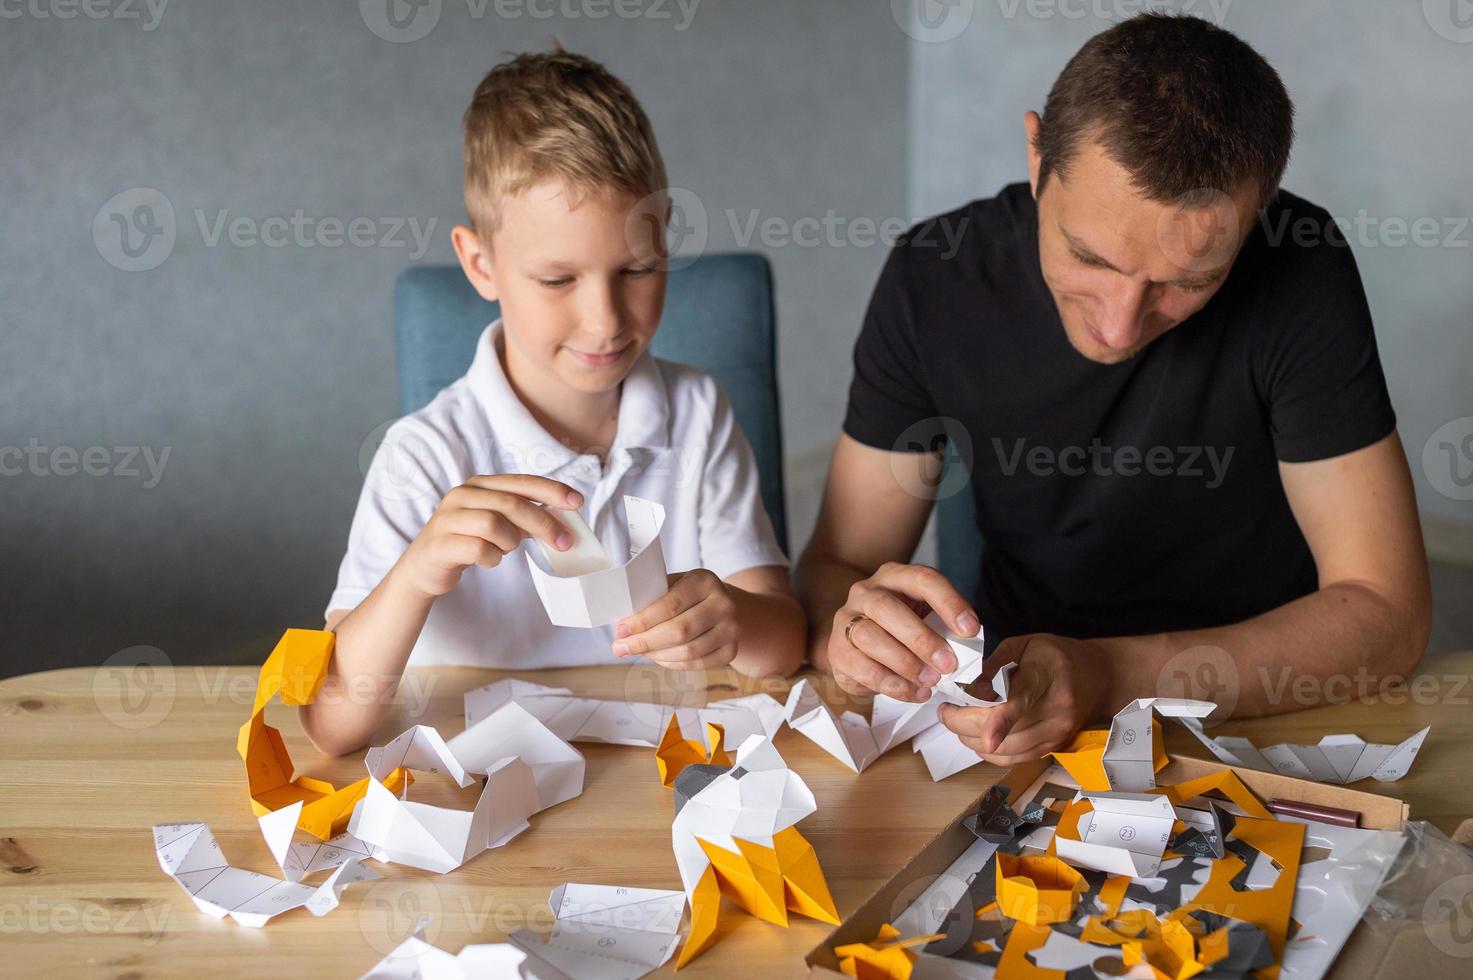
point(1129, 498)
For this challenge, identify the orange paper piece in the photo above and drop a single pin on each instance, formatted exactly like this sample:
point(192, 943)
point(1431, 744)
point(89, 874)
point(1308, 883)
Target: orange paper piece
point(296, 670)
point(1037, 890)
point(886, 957)
point(767, 882)
point(675, 751)
point(1224, 781)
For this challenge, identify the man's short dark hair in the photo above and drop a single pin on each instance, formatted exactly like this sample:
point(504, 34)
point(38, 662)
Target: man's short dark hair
point(1183, 105)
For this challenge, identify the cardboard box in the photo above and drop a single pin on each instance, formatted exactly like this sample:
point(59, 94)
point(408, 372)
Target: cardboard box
point(1356, 960)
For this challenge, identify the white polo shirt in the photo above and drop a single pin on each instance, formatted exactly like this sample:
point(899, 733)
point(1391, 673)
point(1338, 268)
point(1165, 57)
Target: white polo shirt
point(677, 443)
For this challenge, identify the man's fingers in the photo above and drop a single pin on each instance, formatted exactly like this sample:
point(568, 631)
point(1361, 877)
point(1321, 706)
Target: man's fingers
point(899, 621)
point(927, 584)
point(870, 676)
point(539, 488)
point(986, 727)
point(870, 637)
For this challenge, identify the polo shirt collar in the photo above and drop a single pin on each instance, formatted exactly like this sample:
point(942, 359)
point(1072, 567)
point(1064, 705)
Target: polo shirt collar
point(524, 446)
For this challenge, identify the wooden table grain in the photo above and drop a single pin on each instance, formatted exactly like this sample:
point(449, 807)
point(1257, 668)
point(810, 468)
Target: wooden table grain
point(91, 758)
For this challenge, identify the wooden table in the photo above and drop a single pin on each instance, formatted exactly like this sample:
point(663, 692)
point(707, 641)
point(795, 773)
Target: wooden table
point(91, 758)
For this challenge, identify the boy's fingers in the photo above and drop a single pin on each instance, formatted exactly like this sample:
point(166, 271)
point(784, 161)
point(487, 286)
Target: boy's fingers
point(539, 488)
point(692, 650)
point(531, 520)
point(930, 586)
point(693, 621)
point(487, 525)
point(682, 596)
point(870, 637)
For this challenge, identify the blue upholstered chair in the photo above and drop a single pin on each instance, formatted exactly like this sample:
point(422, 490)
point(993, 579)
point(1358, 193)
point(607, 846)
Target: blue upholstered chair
point(958, 542)
point(718, 317)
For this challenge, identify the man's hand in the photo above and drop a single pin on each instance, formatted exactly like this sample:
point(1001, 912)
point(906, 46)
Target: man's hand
point(691, 627)
point(1059, 685)
point(878, 642)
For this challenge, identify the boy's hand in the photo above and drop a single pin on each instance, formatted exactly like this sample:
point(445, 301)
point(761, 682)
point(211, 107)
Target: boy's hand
point(691, 627)
point(482, 520)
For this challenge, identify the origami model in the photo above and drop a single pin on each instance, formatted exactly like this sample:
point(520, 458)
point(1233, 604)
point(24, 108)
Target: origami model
point(1335, 759)
point(584, 588)
point(734, 834)
point(1127, 757)
point(296, 670)
point(675, 752)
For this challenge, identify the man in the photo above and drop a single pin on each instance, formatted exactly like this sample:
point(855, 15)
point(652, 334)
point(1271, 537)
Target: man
point(1180, 435)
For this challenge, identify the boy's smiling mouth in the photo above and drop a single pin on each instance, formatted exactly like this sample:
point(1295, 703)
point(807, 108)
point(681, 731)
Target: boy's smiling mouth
point(597, 360)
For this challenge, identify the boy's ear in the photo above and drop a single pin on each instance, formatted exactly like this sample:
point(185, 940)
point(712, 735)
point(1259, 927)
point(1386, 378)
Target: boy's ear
point(475, 260)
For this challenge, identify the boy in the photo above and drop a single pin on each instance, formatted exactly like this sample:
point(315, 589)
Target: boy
point(563, 408)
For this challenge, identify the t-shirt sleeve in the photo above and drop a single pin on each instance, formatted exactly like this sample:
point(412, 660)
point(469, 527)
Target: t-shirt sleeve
point(735, 531)
point(1320, 369)
point(889, 400)
point(410, 474)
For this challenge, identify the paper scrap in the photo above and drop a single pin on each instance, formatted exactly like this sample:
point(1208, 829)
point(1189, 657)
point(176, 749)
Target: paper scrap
point(416, 959)
point(1122, 834)
point(557, 767)
point(575, 719)
point(605, 932)
point(295, 669)
point(584, 588)
point(1336, 759)
point(1126, 758)
point(189, 854)
point(736, 836)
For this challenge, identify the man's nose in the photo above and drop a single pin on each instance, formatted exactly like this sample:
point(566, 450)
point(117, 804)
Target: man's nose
point(1123, 313)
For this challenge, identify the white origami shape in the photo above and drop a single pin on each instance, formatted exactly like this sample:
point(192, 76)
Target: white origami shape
point(1336, 759)
point(442, 838)
point(584, 588)
point(416, 959)
point(189, 854)
point(1124, 834)
point(1129, 755)
point(858, 742)
point(639, 723)
point(605, 932)
point(299, 853)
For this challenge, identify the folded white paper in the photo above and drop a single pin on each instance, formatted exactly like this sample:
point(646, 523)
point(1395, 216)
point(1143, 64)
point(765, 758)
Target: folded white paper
point(527, 769)
point(189, 854)
point(416, 959)
point(1336, 759)
point(858, 742)
point(640, 723)
point(1124, 834)
point(1130, 749)
point(299, 853)
point(584, 588)
point(605, 932)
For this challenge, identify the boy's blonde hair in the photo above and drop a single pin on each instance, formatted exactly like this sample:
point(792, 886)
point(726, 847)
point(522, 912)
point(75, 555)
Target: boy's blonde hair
point(557, 116)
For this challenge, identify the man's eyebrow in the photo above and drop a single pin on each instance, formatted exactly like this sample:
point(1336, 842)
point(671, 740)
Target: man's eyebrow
point(1198, 281)
point(1084, 251)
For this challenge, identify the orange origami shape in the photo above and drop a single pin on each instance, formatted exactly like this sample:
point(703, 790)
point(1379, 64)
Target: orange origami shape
point(1037, 890)
point(675, 752)
point(765, 881)
point(296, 670)
point(885, 957)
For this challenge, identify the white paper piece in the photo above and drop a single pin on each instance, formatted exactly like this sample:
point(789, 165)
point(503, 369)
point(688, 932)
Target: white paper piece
point(944, 752)
point(1129, 756)
point(606, 932)
point(557, 767)
point(527, 769)
point(298, 853)
point(640, 723)
point(189, 854)
point(766, 798)
point(1124, 834)
point(857, 742)
point(1336, 759)
point(598, 596)
point(416, 959)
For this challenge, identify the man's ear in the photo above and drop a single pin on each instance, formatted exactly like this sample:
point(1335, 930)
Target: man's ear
point(1031, 124)
point(475, 260)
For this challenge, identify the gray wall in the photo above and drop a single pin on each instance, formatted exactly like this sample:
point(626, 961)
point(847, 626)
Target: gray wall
point(261, 369)
point(1384, 93)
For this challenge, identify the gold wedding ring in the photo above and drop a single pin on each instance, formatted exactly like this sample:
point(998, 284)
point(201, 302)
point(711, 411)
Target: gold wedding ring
point(850, 628)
